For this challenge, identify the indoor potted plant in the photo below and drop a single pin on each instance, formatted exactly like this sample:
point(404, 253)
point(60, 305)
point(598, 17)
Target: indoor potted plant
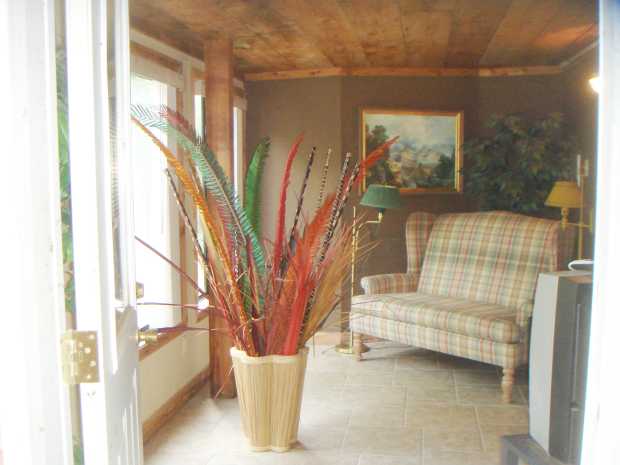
point(272, 297)
point(516, 165)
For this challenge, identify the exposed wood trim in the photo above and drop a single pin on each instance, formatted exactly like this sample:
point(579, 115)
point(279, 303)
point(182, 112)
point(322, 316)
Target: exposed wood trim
point(164, 413)
point(408, 72)
point(519, 71)
point(295, 74)
point(155, 56)
point(579, 55)
point(163, 48)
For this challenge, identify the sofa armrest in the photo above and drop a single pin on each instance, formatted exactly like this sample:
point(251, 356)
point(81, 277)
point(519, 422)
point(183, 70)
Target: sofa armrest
point(524, 313)
point(394, 282)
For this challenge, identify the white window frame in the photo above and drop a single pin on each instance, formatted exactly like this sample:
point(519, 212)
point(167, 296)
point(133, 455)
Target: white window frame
point(166, 316)
point(185, 82)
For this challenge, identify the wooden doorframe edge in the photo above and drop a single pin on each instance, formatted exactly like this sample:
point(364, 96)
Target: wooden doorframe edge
point(172, 406)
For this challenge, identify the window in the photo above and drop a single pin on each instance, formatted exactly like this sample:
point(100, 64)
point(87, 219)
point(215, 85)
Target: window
point(238, 148)
point(155, 218)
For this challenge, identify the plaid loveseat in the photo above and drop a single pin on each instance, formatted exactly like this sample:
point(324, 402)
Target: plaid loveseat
point(469, 287)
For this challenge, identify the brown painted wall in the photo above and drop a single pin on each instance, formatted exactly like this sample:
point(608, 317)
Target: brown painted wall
point(282, 110)
point(327, 109)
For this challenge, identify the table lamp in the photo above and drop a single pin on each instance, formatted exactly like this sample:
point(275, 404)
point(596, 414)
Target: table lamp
point(381, 197)
point(566, 195)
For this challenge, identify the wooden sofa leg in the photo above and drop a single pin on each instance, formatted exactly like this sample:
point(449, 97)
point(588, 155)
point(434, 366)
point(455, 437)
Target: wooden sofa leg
point(358, 346)
point(508, 380)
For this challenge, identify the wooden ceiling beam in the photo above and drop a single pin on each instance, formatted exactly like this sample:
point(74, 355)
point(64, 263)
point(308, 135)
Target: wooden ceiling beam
point(403, 72)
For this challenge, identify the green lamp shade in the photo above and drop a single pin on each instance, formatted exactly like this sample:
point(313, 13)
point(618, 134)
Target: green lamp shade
point(381, 197)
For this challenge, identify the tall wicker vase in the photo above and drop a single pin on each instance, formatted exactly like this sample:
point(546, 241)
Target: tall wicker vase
point(270, 390)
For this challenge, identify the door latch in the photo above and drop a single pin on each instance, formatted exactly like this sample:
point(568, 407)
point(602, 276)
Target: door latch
point(79, 357)
point(147, 336)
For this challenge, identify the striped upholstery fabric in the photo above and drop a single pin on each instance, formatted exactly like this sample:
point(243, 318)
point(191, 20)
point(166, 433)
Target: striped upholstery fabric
point(417, 232)
point(484, 350)
point(482, 320)
point(476, 275)
point(490, 257)
point(386, 283)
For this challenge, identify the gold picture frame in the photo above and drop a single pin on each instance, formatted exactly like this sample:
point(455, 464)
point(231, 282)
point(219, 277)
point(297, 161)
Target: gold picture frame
point(427, 158)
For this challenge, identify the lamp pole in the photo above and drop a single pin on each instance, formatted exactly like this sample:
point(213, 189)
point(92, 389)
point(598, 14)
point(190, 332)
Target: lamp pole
point(347, 348)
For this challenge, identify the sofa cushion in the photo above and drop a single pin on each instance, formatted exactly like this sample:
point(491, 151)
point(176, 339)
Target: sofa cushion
point(483, 320)
point(489, 257)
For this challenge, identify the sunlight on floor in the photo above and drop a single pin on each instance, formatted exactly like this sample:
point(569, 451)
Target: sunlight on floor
point(400, 406)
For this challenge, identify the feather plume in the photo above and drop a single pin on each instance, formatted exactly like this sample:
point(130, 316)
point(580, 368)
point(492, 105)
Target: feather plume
point(300, 201)
point(333, 217)
point(251, 198)
point(372, 158)
point(281, 217)
point(324, 178)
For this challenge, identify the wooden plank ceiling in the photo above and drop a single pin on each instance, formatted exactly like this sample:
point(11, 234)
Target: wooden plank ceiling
point(288, 35)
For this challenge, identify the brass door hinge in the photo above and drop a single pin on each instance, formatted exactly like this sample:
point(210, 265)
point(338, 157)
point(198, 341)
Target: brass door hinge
point(79, 357)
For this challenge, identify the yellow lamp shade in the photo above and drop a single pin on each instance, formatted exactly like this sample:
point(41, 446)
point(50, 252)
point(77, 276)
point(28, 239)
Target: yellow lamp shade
point(565, 194)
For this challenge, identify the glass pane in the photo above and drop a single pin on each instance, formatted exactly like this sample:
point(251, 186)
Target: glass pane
point(119, 278)
point(65, 212)
point(155, 216)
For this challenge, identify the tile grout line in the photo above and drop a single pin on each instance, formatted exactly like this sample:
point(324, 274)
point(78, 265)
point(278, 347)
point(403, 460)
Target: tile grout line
point(422, 448)
point(482, 442)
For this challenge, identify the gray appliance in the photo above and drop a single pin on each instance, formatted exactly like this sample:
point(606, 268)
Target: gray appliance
point(558, 362)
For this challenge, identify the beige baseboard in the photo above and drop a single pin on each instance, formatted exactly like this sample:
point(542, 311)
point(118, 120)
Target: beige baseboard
point(164, 413)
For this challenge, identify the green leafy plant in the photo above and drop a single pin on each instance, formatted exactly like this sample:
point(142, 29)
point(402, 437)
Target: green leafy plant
point(515, 168)
point(65, 179)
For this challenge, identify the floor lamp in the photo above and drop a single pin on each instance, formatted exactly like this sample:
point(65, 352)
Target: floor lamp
point(382, 198)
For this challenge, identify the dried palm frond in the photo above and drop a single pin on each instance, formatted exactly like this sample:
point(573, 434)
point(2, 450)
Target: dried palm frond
point(251, 197)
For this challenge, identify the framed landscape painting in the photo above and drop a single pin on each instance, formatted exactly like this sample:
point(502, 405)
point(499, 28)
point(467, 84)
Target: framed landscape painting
point(426, 158)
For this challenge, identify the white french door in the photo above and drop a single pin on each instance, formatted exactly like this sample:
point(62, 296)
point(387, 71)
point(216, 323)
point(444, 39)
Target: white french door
point(97, 43)
point(85, 43)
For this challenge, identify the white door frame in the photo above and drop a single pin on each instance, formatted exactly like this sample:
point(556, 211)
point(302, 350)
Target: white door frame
point(34, 401)
point(600, 440)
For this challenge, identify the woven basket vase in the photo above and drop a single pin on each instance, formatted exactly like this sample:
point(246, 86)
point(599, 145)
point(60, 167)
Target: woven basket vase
point(269, 389)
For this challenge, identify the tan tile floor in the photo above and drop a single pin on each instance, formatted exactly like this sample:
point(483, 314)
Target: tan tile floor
point(400, 406)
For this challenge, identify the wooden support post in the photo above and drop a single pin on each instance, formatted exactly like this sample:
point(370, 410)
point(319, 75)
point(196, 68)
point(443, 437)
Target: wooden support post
point(219, 135)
